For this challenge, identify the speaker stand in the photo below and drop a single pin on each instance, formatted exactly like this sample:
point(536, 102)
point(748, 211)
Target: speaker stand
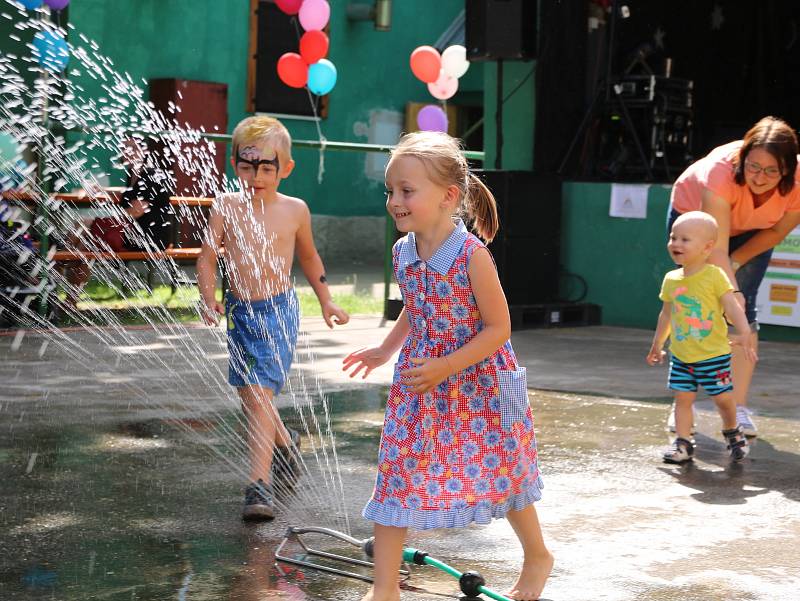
point(605, 90)
point(498, 118)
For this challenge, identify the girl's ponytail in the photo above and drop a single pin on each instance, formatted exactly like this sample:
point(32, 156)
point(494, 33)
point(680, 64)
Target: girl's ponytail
point(481, 208)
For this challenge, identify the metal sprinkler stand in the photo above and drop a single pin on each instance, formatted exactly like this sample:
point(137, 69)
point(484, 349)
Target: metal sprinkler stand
point(471, 583)
point(294, 533)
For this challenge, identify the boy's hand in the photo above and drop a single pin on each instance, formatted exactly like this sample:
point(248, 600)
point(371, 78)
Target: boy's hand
point(747, 346)
point(428, 374)
point(331, 313)
point(655, 356)
point(366, 358)
point(211, 313)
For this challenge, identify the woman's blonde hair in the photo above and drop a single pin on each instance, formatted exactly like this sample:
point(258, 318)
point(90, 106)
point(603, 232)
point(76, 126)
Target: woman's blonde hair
point(260, 128)
point(446, 166)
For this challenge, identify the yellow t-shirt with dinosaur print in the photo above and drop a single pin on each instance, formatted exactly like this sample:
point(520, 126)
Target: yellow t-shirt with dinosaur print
point(699, 330)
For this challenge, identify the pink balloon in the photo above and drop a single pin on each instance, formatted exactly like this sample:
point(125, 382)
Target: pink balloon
point(444, 87)
point(290, 7)
point(314, 14)
point(56, 4)
point(432, 118)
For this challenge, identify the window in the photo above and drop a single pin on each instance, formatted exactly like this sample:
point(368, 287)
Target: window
point(273, 33)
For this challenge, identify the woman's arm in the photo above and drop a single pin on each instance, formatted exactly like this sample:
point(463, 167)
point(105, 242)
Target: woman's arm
point(720, 209)
point(766, 238)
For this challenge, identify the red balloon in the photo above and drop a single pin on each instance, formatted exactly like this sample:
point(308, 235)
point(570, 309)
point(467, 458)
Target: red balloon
point(290, 7)
point(313, 46)
point(426, 63)
point(293, 70)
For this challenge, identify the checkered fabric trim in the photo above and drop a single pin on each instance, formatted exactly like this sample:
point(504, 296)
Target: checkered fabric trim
point(481, 513)
point(442, 260)
point(513, 396)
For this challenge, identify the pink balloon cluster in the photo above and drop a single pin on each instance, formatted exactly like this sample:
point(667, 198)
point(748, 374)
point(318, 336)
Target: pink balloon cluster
point(440, 71)
point(293, 67)
point(312, 14)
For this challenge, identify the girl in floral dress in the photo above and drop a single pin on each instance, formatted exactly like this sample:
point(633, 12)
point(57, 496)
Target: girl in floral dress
point(458, 444)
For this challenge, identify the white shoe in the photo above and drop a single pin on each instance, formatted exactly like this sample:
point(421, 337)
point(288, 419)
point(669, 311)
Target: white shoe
point(671, 419)
point(745, 419)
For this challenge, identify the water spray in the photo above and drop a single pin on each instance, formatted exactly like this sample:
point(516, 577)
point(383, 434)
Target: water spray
point(471, 583)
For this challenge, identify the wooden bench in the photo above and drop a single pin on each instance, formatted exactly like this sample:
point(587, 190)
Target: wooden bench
point(175, 253)
point(170, 255)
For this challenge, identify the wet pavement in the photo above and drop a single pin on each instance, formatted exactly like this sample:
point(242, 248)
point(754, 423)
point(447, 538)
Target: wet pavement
point(120, 458)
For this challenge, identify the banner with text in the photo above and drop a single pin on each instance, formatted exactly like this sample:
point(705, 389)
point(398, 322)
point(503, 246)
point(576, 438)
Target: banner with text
point(779, 294)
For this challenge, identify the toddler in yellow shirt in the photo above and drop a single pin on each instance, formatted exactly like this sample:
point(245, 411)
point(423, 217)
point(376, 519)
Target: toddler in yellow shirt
point(697, 298)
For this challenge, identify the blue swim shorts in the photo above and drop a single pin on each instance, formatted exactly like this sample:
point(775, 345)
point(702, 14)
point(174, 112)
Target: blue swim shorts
point(712, 374)
point(262, 336)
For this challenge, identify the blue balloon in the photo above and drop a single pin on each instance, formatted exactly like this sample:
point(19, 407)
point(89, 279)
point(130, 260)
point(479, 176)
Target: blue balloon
point(321, 77)
point(51, 51)
point(31, 4)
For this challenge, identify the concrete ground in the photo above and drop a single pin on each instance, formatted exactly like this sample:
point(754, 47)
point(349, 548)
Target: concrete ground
point(120, 457)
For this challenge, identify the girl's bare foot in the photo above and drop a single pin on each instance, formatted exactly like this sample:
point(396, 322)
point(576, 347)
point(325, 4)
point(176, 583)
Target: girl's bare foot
point(530, 583)
point(373, 595)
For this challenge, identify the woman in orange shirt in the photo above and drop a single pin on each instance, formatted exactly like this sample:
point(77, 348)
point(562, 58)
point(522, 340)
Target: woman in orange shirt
point(751, 187)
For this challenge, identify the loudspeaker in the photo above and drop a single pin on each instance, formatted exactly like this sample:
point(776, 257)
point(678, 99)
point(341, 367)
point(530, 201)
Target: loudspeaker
point(501, 29)
point(526, 248)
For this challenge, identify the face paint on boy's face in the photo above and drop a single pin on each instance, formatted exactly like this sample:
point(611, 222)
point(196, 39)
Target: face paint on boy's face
point(248, 161)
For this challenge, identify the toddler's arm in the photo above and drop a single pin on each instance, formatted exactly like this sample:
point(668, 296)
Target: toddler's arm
point(314, 270)
point(374, 356)
point(738, 318)
point(656, 353)
point(207, 268)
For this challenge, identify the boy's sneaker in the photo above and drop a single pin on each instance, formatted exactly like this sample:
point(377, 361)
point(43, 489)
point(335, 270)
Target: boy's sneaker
point(286, 464)
point(258, 502)
point(671, 420)
point(680, 451)
point(737, 443)
point(745, 419)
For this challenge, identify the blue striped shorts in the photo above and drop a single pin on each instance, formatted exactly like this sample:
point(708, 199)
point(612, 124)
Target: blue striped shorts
point(712, 374)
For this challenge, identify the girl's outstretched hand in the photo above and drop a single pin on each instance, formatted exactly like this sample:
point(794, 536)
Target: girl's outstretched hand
point(428, 373)
point(365, 359)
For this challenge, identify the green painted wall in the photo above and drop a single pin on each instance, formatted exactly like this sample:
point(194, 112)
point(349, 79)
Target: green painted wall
point(623, 261)
point(208, 40)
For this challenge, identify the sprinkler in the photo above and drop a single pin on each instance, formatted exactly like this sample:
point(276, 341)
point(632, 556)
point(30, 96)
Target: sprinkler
point(295, 533)
point(472, 584)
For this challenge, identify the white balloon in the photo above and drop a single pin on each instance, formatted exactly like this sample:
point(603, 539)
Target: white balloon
point(454, 61)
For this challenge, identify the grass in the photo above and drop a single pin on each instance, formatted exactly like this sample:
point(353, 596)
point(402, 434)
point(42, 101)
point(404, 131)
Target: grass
point(136, 307)
point(354, 304)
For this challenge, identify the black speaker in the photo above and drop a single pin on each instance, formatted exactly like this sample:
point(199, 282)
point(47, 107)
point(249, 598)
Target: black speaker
point(526, 248)
point(501, 29)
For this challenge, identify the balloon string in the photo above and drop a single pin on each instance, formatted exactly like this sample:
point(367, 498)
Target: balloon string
point(322, 139)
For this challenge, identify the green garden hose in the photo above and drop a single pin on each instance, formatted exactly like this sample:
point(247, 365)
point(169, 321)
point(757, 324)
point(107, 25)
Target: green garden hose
point(471, 583)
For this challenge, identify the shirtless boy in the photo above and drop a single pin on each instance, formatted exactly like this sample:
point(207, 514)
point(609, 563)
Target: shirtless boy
point(261, 231)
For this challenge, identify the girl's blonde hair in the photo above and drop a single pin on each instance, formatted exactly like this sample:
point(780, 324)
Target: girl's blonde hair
point(260, 128)
point(446, 166)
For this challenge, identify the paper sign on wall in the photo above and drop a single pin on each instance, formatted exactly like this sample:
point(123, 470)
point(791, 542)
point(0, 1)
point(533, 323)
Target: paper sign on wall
point(629, 200)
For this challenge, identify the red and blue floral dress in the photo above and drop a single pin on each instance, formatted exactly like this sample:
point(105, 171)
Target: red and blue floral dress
point(465, 451)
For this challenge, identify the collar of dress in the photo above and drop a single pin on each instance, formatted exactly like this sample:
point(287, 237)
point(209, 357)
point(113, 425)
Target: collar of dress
point(444, 257)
